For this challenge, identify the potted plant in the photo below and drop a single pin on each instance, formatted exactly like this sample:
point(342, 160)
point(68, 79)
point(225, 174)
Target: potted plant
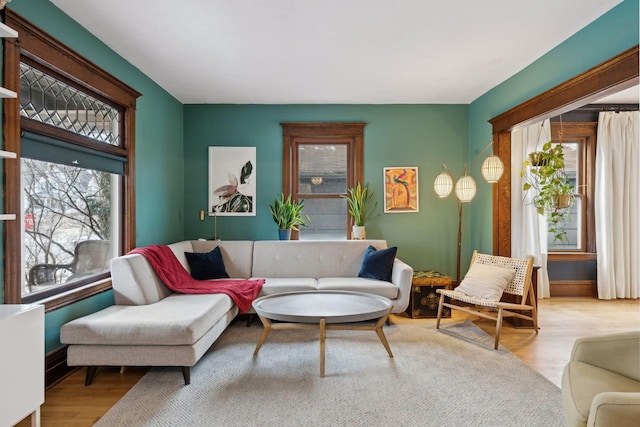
point(544, 175)
point(287, 214)
point(361, 208)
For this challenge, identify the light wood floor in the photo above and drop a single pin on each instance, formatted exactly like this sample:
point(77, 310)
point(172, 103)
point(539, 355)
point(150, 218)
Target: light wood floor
point(562, 320)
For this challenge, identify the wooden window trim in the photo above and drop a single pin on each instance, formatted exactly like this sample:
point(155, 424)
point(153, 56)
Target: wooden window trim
point(613, 75)
point(36, 45)
point(297, 133)
point(584, 133)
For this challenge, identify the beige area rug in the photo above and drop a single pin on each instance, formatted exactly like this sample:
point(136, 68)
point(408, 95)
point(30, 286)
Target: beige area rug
point(450, 377)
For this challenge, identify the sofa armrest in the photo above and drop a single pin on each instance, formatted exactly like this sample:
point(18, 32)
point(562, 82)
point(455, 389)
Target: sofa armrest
point(597, 351)
point(401, 276)
point(614, 409)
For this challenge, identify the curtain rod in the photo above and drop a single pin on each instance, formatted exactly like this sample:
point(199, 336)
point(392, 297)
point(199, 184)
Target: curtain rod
point(595, 107)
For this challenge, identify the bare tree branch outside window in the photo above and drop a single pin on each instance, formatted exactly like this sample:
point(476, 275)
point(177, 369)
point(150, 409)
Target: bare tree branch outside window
point(63, 206)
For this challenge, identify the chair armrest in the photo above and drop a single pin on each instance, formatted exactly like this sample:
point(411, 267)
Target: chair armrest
point(45, 274)
point(614, 409)
point(401, 276)
point(597, 351)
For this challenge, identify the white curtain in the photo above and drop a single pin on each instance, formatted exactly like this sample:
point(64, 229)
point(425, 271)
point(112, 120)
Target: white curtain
point(528, 228)
point(617, 205)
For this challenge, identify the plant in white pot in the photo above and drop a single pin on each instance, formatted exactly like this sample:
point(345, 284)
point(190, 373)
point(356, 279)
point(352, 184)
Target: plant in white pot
point(287, 214)
point(361, 208)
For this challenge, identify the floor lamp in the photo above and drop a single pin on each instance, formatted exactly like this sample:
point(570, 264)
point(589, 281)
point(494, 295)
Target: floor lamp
point(465, 189)
point(215, 221)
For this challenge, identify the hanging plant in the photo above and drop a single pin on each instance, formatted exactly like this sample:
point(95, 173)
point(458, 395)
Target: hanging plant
point(544, 175)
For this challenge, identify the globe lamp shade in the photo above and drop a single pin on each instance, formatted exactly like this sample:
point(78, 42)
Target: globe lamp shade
point(492, 169)
point(465, 189)
point(443, 184)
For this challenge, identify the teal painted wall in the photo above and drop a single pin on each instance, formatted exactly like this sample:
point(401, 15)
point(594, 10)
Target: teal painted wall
point(609, 35)
point(159, 147)
point(172, 141)
point(396, 135)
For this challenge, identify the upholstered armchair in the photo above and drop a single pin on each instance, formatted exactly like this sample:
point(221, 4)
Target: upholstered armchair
point(601, 382)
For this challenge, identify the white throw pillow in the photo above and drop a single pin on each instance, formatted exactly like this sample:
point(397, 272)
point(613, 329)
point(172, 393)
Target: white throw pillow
point(486, 281)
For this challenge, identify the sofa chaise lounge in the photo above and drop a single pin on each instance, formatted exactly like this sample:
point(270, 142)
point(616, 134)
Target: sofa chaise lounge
point(149, 325)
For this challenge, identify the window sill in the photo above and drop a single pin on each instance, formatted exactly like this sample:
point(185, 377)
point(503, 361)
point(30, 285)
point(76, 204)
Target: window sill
point(571, 256)
point(72, 296)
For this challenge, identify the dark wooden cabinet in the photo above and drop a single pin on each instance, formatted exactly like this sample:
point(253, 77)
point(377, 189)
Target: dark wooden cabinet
point(423, 302)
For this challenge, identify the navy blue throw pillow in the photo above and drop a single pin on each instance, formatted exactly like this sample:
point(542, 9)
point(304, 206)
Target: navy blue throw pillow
point(207, 265)
point(377, 264)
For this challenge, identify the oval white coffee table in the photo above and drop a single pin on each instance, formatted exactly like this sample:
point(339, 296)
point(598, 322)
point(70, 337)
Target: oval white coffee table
point(323, 309)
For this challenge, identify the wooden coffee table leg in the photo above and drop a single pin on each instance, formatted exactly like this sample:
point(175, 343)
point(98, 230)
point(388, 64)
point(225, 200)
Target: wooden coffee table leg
point(381, 335)
point(323, 334)
point(265, 332)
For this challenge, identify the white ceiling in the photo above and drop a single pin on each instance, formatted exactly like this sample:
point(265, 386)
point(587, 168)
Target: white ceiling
point(627, 96)
point(332, 51)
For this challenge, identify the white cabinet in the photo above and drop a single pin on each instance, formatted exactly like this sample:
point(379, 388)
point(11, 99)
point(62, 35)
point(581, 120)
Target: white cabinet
point(6, 93)
point(21, 363)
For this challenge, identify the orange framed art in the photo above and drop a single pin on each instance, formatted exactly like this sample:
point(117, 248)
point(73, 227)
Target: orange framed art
point(401, 189)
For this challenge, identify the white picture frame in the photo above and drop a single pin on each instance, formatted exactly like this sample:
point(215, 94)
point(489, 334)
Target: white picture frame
point(232, 181)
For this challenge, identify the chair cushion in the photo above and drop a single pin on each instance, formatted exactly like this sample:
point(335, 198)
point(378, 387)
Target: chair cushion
point(486, 281)
point(378, 263)
point(207, 265)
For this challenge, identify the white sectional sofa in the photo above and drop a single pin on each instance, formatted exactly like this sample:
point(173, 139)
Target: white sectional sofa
point(149, 325)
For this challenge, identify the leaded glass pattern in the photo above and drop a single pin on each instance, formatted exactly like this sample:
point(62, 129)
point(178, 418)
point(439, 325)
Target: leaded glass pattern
point(48, 100)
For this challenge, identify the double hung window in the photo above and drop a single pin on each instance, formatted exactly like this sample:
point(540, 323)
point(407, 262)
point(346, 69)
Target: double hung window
point(320, 162)
point(578, 142)
point(72, 127)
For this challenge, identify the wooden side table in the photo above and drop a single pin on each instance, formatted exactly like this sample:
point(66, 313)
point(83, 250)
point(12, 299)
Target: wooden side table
point(423, 301)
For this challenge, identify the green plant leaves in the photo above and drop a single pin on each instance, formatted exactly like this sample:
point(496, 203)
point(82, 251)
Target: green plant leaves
point(548, 180)
point(287, 213)
point(361, 204)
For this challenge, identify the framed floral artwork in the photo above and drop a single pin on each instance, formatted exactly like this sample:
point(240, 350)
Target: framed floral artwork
point(232, 183)
point(400, 189)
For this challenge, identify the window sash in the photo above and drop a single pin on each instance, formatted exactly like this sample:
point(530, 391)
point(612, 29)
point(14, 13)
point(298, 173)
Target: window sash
point(297, 134)
point(48, 149)
point(583, 134)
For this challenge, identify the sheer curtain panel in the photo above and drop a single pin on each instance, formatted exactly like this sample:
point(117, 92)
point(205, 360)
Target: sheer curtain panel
point(617, 202)
point(528, 227)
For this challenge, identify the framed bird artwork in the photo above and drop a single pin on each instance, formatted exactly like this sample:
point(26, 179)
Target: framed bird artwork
point(232, 181)
point(400, 189)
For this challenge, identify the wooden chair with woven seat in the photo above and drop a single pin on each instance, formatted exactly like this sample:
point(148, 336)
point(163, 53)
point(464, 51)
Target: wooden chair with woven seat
point(483, 286)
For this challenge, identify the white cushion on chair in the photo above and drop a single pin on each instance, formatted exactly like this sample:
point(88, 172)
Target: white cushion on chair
point(486, 281)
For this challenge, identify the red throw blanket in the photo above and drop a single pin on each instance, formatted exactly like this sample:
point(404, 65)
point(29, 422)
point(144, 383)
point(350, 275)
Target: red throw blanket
point(176, 278)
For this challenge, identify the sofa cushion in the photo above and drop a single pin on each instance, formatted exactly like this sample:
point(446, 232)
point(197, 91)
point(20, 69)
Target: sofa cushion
point(377, 264)
point(178, 319)
point(135, 282)
point(179, 249)
point(358, 284)
point(296, 258)
point(274, 285)
point(237, 255)
point(207, 265)
point(584, 382)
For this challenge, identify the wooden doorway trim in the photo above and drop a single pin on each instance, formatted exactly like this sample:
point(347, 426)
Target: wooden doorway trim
point(613, 75)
